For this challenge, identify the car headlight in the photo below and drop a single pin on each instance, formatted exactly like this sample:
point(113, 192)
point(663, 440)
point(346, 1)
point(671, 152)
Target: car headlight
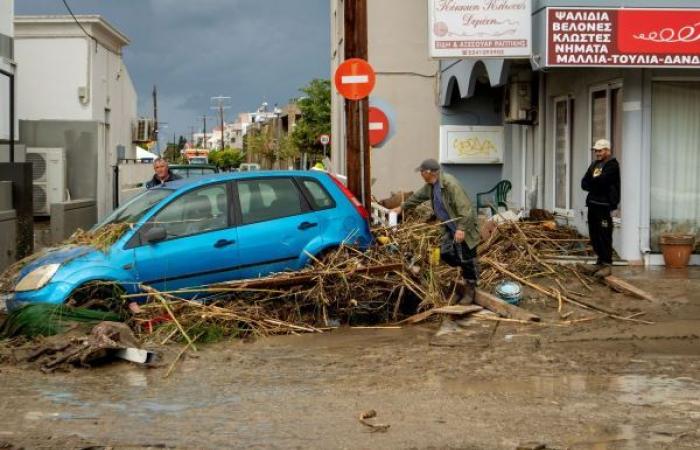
point(37, 278)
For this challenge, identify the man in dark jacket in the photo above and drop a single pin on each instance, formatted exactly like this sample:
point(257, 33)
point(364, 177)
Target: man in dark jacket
point(162, 174)
point(451, 206)
point(602, 182)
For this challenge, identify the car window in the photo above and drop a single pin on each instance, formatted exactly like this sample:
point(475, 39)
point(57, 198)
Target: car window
point(132, 211)
point(268, 199)
point(195, 212)
point(319, 197)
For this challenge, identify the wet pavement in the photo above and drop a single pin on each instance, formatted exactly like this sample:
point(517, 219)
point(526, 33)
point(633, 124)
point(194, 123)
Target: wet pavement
point(600, 385)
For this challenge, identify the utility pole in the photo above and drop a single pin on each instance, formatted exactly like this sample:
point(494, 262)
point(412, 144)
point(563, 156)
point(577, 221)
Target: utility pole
point(221, 100)
point(192, 135)
point(155, 119)
point(357, 152)
point(204, 130)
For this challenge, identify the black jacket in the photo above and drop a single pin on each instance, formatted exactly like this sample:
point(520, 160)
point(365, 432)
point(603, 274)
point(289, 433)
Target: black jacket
point(603, 186)
point(155, 181)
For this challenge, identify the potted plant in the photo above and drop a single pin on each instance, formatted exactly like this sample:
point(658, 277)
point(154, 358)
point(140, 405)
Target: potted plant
point(677, 248)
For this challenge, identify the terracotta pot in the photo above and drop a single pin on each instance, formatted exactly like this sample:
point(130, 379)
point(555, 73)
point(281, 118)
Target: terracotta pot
point(677, 249)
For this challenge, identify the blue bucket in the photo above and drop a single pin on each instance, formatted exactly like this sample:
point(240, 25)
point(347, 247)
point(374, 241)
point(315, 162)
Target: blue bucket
point(509, 291)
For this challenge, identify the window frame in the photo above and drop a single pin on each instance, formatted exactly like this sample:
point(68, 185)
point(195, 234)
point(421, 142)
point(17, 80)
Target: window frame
point(309, 196)
point(607, 87)
point(138, 239)
point(568, 99)
point(305, 204)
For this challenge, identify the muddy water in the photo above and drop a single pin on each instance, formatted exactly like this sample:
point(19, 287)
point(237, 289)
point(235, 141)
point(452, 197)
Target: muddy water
point(307, 392)
point(600, 385)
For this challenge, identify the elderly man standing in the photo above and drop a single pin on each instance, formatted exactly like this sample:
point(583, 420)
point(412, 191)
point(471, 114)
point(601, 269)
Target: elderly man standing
point(451, 206)
point(602, 181)
point(162, 174)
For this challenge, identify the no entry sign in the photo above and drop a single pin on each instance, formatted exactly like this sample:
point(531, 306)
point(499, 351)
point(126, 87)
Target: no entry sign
point(378, 126)
point(354, 79)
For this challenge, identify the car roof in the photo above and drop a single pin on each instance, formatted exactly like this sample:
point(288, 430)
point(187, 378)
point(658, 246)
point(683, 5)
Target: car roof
point(229, 176)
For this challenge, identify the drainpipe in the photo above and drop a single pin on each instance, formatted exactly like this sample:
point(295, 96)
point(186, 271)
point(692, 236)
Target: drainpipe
point(11, 77)
point(85, 99)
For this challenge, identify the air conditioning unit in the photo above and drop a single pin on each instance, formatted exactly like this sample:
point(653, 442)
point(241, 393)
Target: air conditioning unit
point(144, 130)
point(518, 101)
point(49, 177)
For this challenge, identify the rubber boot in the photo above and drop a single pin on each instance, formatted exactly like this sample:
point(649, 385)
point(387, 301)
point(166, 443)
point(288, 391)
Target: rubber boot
point(469, 296)
point(604, 271)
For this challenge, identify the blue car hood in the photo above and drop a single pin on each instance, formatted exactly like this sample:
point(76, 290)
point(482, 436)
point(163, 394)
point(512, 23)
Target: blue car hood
point(63, 255)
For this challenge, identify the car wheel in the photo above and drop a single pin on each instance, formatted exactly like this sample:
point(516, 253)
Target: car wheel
point(98, 295)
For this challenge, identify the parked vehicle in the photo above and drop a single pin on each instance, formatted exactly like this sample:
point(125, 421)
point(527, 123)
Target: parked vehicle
point(207, 230)
point(193, 170)
point(249, 167)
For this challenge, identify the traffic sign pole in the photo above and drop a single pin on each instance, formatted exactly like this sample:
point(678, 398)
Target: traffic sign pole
point(354, 80)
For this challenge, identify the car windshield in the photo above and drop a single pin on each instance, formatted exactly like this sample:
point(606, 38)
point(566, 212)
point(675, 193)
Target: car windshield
point(132, 211)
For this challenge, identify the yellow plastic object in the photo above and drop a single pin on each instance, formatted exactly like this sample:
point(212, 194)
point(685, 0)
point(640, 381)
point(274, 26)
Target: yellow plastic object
point(435, 256)
point(383, 240)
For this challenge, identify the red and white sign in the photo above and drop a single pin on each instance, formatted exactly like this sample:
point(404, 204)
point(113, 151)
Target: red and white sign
point(355, 79)
point(480, 28)
point(324, 139)
point(378, 126)
point(623, 37)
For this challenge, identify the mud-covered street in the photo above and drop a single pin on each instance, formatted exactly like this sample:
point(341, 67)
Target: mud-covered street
point(601, 384)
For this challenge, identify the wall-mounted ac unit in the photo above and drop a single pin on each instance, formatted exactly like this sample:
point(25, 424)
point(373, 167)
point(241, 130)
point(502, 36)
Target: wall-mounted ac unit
point(144, 130)
point(49, 176)
point(518, 101)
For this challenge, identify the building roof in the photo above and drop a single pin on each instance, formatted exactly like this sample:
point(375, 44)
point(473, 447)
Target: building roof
point(64, 25)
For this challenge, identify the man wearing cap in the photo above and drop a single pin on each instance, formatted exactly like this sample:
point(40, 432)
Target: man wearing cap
point(602, 182)
point(453, 208)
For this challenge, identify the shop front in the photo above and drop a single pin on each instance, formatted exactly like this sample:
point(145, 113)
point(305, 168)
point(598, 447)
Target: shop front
point(630, 75)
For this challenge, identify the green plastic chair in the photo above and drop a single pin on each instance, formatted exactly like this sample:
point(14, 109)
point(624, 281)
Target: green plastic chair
point(494, 197)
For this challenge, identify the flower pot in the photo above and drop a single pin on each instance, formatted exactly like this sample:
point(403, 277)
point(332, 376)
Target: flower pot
point(677, 249)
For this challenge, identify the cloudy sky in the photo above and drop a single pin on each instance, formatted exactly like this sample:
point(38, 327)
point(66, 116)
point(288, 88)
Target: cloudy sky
point(249, 50)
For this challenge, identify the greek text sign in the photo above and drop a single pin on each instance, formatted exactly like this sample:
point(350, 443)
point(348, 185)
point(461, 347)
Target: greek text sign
point(623, 37)
point(471, 145)
point(480, 28)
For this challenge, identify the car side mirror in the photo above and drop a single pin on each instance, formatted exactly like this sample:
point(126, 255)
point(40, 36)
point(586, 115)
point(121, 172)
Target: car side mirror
point(156, 234)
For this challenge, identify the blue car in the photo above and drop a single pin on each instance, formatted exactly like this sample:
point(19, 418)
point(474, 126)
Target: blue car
point(215, 228)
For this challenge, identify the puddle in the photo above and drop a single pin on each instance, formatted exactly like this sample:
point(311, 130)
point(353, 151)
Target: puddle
point(630, 389)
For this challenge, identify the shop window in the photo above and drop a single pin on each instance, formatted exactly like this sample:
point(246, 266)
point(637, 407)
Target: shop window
point(563, 126)
point(606, 116)
point(606, 123)
point(675, 160)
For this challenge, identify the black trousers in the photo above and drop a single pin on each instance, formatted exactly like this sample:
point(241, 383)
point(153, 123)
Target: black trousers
point(460, 255)
point(600, 230)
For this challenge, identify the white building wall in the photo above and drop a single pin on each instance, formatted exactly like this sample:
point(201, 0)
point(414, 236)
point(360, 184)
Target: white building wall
point(50, 72)
point(7, 13)
point(7, 29)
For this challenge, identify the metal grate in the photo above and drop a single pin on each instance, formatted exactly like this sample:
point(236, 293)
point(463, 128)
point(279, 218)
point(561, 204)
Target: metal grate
point(40, 199)
point(38, 166)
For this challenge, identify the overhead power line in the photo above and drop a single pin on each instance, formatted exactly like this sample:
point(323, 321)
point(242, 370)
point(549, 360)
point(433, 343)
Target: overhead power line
point(65, 2)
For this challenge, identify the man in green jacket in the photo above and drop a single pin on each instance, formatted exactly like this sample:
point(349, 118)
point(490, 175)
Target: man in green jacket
point(453, 208)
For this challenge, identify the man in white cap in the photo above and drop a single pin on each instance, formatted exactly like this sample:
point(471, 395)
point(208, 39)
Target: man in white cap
point(453, 208)
point(602, 182)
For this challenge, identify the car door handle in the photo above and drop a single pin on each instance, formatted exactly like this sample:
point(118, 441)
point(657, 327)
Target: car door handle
point(307, 225)
point(223, 243)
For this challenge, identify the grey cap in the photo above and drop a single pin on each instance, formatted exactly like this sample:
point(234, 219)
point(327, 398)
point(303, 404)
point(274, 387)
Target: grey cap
point(429, 164)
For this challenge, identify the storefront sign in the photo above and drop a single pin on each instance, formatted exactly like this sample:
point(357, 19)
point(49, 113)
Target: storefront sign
point(480, 28)
point(623, 37)
point(471, 145)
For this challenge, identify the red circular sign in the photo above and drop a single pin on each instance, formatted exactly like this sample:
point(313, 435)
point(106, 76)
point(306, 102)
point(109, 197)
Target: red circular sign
point(354, 79)
point(378, 126)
